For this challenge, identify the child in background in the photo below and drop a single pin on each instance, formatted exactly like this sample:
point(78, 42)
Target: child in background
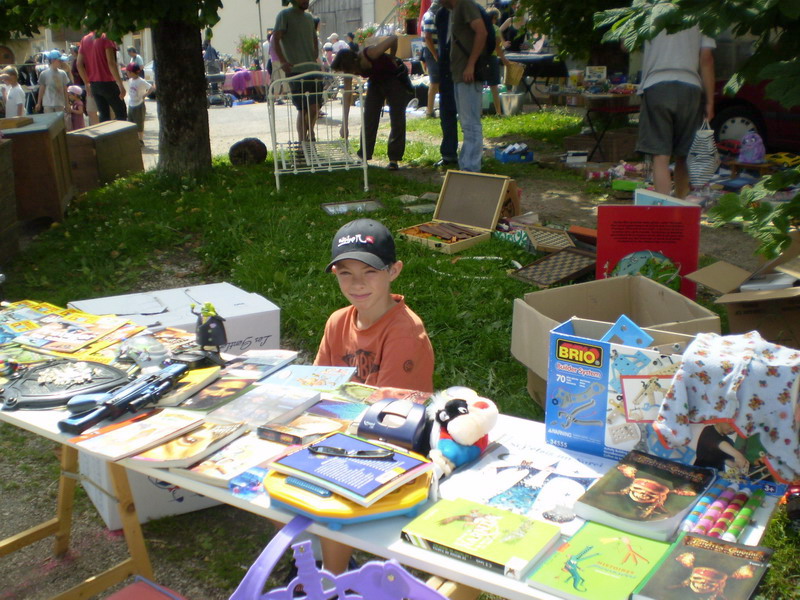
point(138, 89)
point(377, 333)
point(13, 94)
point(53, 84)
point(75, 108)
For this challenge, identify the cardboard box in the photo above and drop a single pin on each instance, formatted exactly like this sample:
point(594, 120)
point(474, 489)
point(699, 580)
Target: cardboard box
point(647, 303)
point(101, 153)
point(152, 498)
point(470, 201)
point(9, 236)
point(251, 321)
point(774, 313)
point(594, 400)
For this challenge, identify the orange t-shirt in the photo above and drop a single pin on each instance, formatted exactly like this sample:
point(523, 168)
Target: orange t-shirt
point(394, 352)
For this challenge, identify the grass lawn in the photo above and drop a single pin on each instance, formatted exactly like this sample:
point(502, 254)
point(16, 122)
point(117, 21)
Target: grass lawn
point(277, 244)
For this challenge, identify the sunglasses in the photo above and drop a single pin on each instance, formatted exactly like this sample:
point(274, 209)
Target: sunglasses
point(378, 454)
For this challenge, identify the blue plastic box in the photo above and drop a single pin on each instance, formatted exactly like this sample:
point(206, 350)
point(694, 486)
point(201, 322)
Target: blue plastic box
point(518, 157)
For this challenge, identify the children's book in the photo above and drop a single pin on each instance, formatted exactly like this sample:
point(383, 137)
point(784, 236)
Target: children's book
point(529, 477)
point(193, 446)
point(188, 385)
point(266, 403)
point(697, 566)
point(241, 454)
point(325, 417)
point(597, 563)
point(311, 376)
point(257, 364)
point(120, 440)
point(216, 394)
point(362, 471)
point(645, 495)
point(69, 332)
point(489, 537)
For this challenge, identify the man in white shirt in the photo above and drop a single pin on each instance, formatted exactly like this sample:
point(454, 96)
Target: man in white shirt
point(678, 90)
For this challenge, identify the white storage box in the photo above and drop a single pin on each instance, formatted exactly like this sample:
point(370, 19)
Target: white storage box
point(152, 498)
point(251, 321)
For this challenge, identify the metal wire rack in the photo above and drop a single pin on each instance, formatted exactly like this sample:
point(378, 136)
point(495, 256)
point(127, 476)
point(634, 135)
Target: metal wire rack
point(330, 147)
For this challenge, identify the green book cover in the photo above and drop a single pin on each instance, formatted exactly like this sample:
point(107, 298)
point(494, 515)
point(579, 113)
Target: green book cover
point(698, 566)
point(490, 537)
point(598, 563)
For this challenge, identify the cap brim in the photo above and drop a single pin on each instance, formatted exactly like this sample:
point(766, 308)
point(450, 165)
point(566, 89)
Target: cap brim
point(365, 257)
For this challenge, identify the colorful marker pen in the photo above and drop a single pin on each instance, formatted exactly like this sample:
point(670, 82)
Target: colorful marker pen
point(712, 494)
point(713, 512)
point(743, 518)
point(729, 514)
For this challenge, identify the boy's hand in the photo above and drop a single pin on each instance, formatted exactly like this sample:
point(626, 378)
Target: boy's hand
point(740, 461)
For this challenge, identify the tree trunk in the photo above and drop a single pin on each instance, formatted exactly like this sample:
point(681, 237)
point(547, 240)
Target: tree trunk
point(184, 146)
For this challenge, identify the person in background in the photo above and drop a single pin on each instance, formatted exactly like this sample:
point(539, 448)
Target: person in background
point(135, 56)
point(138, 89)
point(497, 57)
point(89, 106)
point(390, 84)
point(677, 90)
point(75, 108)
point(514, 29)
point(275, 70)
point(337, 43)
point(297, 46)
point(430, 54)
point(350, 38)
point(448, 114)
point(53, 87)
point(467, 41)
point(377, 332)
point(13, 94)
point(97, 65)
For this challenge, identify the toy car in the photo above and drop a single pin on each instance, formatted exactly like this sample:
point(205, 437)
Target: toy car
point(783, 159)
point(730, 147)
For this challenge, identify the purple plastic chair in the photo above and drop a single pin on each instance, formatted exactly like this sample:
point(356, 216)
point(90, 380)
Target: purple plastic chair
point(373, 581)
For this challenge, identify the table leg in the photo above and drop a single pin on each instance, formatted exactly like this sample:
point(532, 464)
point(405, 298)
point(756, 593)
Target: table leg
point(66, 497)
point(598, 138)
point(130, 522)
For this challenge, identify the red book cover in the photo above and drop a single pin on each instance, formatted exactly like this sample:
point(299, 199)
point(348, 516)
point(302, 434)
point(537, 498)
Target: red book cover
point(660, 242)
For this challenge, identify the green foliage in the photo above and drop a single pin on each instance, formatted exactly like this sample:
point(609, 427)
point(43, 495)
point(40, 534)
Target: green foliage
point(769, 223)
point(569, 24)
point(25, 17)
point(249, 45)
point(774, 25)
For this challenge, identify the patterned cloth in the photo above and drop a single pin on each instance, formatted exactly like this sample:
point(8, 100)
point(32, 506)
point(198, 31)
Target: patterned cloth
point(745, 381)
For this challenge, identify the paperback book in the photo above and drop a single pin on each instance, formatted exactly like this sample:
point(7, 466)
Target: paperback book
point(266, 403)
point(312, 376)
point(188, 385)
point(325, 417)
point(258, 364)
point(529, 477)
point(645, 495)
point(120, 440)
point(218, 393)
point(193, 446)
point(69, 332)
point(489, 537)
point(241, 454)
point(697, 566)
point(597, 563)
point(360, 470)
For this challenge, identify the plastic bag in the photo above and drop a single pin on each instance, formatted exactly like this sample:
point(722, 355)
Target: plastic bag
point(703, 160)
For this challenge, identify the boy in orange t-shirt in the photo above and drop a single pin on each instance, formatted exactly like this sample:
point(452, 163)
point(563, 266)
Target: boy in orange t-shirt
point(378, 334)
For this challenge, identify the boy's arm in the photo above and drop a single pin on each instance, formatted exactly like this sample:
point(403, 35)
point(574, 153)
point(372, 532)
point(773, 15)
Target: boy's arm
point(64, 91)
point(40, 97)
point(738, 458)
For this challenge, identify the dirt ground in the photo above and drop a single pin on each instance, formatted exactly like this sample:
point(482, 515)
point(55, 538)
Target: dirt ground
point(33, 573)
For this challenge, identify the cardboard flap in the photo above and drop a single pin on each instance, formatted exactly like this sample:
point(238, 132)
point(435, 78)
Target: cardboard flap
point(722, 277)
point(760, 295)
point(790, 267)
point(472, 199)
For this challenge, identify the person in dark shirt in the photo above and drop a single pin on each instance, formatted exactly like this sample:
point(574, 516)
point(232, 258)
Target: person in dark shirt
point(390, 84)
point(715, 449)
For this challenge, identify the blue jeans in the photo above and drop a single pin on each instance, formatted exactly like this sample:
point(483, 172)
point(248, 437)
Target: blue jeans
point(468, 102)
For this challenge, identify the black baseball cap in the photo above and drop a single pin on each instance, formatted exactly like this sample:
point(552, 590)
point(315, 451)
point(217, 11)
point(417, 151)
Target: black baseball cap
point(365, 240)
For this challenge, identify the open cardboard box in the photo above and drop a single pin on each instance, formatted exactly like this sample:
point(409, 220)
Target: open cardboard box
point(647, 303)
point(774, 313)
point(471, 202)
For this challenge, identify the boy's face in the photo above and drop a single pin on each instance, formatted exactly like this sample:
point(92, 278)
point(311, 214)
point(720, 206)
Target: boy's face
point(365, 286)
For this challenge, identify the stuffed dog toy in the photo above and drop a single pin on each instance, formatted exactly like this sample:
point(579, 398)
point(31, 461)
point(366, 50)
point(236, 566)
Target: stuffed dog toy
point(463, 421)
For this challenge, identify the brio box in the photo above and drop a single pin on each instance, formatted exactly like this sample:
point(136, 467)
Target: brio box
point(645, 302)
point(251, 321)
point(603, 394)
